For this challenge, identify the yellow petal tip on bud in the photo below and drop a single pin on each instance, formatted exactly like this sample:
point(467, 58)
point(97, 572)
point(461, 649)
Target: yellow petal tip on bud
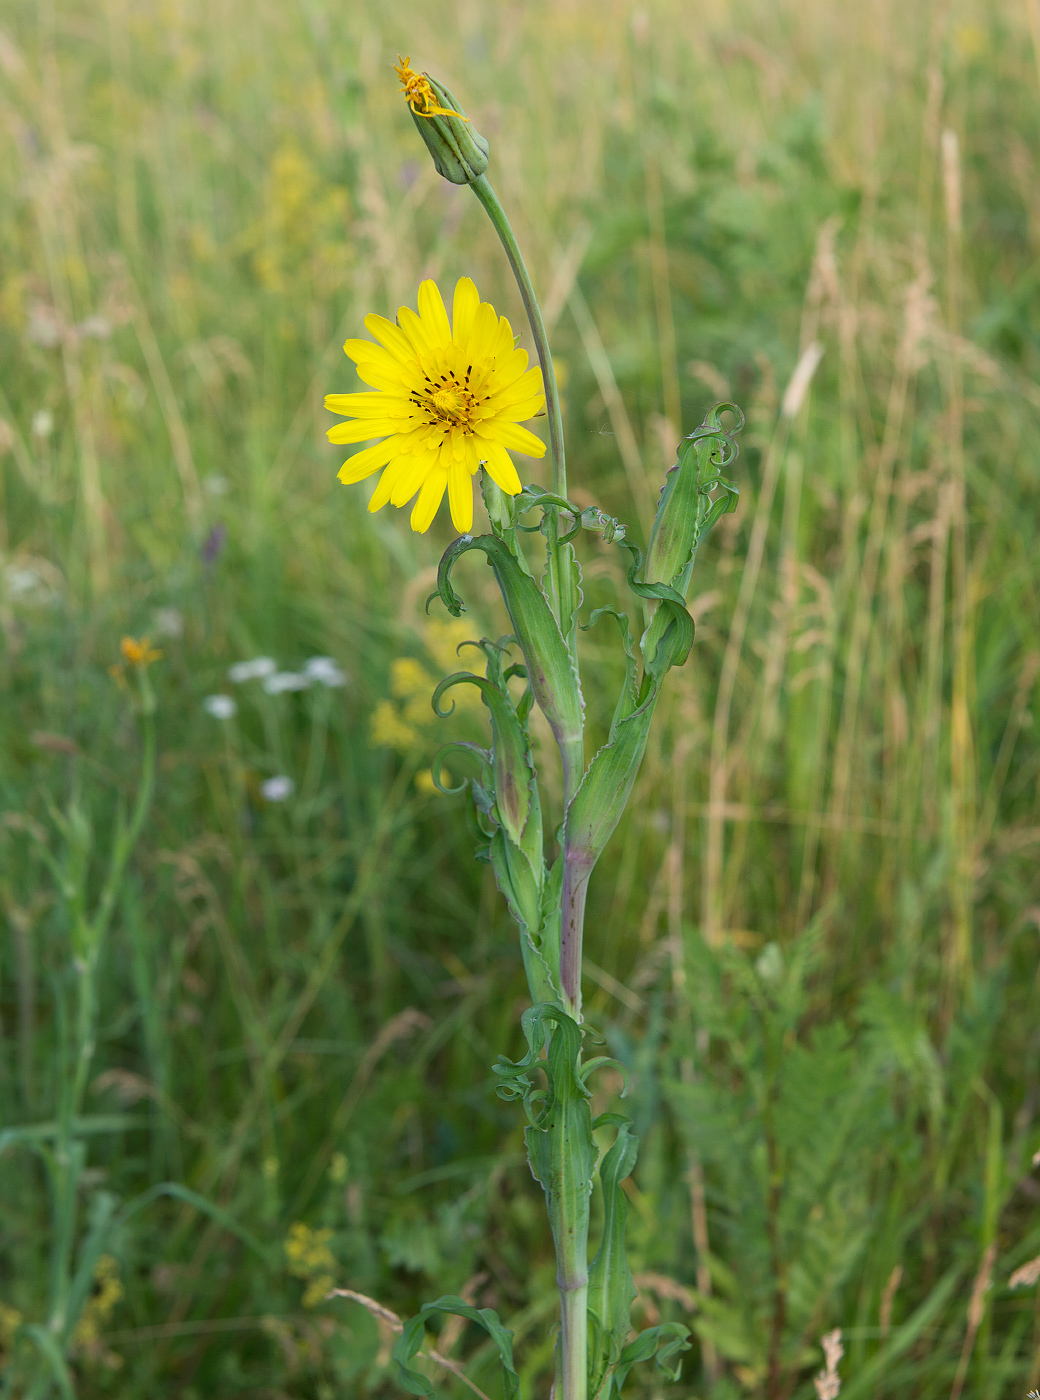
point(419, 92)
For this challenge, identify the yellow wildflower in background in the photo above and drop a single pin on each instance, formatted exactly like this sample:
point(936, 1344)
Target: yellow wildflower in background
point(140, 653)
point(450, 398)
point(98, 1307)
point(309, 1257)
point(10, 1321)
point(398, 723)
point(442, 637)
point(387, 727)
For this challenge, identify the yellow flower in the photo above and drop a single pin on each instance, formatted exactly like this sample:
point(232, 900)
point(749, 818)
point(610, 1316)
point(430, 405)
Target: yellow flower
point(409, 678)
point(309, 1257)
point(10, 1321)
point(451, 399)
point(99, 1305)
point(389, 728)
point(140, 653)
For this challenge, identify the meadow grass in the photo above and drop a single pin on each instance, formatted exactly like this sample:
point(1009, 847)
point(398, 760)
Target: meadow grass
point(814, 939)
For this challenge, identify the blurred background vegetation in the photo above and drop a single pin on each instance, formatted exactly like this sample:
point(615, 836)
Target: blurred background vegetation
point(814, 940)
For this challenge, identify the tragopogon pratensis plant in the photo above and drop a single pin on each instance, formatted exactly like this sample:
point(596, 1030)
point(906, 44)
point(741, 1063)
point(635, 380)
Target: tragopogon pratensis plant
point(448, 399)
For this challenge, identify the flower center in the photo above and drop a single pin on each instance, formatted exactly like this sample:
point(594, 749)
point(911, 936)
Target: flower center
point(450, 400)
point(451, 404)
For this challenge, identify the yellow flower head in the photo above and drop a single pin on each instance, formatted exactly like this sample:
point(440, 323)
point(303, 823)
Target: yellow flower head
point(450, 396)
point(420, 95)
point(140, 653)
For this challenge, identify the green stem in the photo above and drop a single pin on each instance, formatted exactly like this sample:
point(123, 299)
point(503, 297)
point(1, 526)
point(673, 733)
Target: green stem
point(574, 1338)
point(572, 1228)
point(575, 886)
point(88, 936)
point(487, 196)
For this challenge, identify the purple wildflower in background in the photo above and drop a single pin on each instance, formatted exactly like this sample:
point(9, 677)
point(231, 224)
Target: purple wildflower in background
point(213, 544)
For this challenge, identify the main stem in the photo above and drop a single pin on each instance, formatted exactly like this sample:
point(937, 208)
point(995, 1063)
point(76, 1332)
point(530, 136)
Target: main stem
point(576, 874)
point(487, 196)
point(574, 1341)
point(572, 1243)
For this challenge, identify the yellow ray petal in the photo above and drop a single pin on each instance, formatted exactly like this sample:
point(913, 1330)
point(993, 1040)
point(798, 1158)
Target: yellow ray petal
point(520, 412)
point(364, 352)
point(376, 360)
point(504, 342)
point(414, 331)
point(512, 435)
point(368, 460)
point(430, 498)
point(512, 406)
point(364, 428)
point(387, 482)
point(526, 386)
point(369, 405)
point(431, 310)
point(432, 435)
point(412, 477)
point(389, 383)
point(472, 456)
point(460, 497)
point(500, 467)
point(464, 308)
point(391, 337)
point(482, 334)
point(508, 368)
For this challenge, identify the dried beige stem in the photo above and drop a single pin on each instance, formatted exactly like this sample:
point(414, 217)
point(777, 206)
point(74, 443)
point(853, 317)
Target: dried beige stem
point(394, 1323)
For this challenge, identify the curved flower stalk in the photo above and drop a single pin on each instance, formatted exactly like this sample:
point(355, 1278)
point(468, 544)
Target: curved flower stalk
point(449, 399)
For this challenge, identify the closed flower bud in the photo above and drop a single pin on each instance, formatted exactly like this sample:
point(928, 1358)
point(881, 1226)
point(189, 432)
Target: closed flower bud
point(459, 152)
point(687, 509)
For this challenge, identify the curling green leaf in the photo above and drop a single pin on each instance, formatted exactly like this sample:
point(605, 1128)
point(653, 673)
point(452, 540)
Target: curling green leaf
point(687, 510)
point(611, 1290)
point(550, 670)
point(410, 1340)
point(665, 1342)
point(511, 755)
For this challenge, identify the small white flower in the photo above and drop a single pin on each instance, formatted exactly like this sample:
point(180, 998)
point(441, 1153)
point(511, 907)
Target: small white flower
point(325, 671)
point(95, 328)
point(277, 789)
point(215, 485)
point(286, 680)
point(254, 670)
point(219, 706)
point(168, 622)
point(22, 581)
point(42, 423)
point(45, 328)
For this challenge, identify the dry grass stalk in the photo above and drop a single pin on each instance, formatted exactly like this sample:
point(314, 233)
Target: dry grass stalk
point(393, 1323)
point(976, 1311)
point(887, 1299)
point(827, 1381)
point(1026, 1274)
